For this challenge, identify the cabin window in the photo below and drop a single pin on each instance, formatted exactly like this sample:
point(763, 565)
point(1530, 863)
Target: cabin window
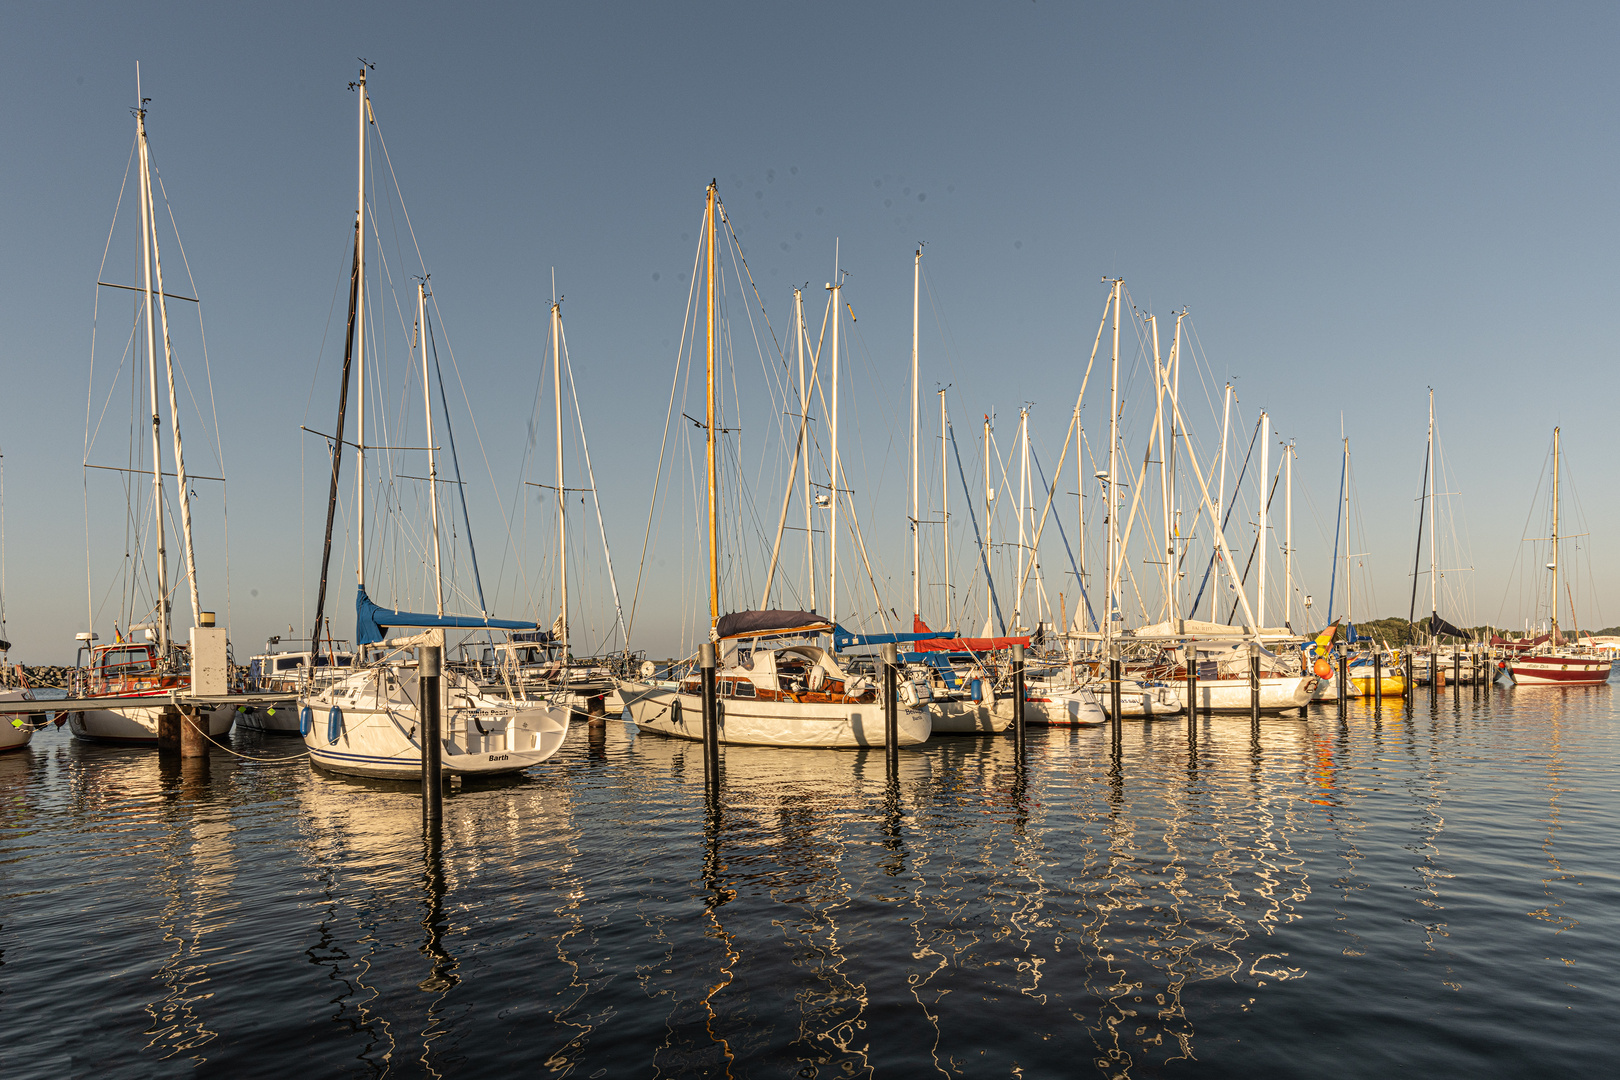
point(283, 663)
point(745, 689)
point(725, 687)
point(118, 660)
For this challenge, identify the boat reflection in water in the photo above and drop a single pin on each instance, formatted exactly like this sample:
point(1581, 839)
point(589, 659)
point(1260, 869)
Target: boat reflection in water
point(1070, 892)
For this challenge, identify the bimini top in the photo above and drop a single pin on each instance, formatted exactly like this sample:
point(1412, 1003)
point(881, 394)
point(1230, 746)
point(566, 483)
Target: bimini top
point(369, 620)
point(762, 623)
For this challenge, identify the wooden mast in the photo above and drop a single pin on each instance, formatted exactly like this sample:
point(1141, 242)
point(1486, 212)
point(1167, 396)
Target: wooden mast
point(151, 369)
point(433, 463)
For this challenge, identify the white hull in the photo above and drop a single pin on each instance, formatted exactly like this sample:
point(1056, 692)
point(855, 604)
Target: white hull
point(970, 717)
point(376, 734)
point(1065, 708)
point(14, 737)
point(772, 723)
point(1137, 701)
point(138, 724)
point(1277, 693)
point(277, 720)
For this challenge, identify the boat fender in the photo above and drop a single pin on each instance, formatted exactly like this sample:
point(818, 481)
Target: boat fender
point(976, 689)
point(306, 721)
point(334, 724)
point(675, 711)
point(908, 694)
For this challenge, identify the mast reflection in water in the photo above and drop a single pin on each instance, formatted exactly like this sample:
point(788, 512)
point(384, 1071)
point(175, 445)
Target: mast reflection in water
point(1423, 890)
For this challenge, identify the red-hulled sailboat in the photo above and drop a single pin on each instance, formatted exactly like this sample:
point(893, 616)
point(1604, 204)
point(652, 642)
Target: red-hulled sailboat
point(1554, 660)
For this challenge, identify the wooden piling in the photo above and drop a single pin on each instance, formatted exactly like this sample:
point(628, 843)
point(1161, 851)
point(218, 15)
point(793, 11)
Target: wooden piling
point(430, 660)
point(1018, 704)
point(711, 716)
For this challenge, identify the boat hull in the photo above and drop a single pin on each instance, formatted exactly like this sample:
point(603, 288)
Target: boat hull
point(271, 720)
point(1382, 686)
point(137, 725)
point(17, 728)
point(382, 745)
point(1560, 670)
point(1065, 708)
point(970, 717)
point(664, 711)
point(1277, 694)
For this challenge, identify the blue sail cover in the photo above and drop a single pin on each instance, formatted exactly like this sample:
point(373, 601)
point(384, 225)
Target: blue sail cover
point(369, 621)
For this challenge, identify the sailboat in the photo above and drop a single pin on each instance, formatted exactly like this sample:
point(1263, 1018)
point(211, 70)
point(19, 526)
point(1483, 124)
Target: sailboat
point(153, 669)
point(772, 693)
point(369, 718)
point(541, 663)
point(1554, 661)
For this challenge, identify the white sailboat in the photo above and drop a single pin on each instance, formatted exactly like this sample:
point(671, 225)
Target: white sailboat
point(367, 722)
point(793, 694)
point(155, 668)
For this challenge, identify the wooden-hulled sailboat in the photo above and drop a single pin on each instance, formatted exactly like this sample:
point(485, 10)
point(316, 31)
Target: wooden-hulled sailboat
point(1556, 661)
point(157, 667)
point(366, 721)
point(772, 693)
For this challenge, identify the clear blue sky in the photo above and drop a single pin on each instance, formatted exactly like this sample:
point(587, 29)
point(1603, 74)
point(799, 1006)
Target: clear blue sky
point(1354, 203)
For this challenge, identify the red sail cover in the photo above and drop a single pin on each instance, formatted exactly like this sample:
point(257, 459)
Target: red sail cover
point(972, 644)
point(1525, 643)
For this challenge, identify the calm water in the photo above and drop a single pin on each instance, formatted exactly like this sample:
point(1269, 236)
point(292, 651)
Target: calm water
point(1436, 893)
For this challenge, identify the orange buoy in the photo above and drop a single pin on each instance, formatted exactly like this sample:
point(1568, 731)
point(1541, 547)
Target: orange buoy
point(1324, 669)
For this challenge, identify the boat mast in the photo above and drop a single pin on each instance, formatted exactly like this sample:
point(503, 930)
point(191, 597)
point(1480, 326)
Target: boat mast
point(360, 340)
point(1554, 638)
point(1174, 528)
point(835, 287)
point(1164, 467)
point(343, 406)
point(1113, 477)
point(1220, 503)
point(945, 508)
point(714, 554)
point(182, 482)
point(916, 515)
point(989, 497)
point(804, 405)
point(1265, 502)
point(433, 466)
point(1349, 584)
point(1080, 494)
point(1434, 586)
point(1023, 497)
point(562, 492)
point(1288, 540)
point(151, 373)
